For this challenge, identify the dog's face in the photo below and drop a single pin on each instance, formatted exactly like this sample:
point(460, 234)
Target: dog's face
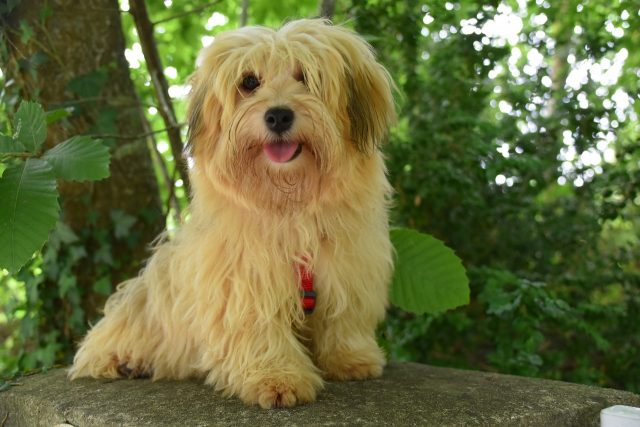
point(279, 119)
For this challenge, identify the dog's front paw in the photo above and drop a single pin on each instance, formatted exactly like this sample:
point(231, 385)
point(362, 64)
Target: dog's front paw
point(281, 392)
point(345, 366)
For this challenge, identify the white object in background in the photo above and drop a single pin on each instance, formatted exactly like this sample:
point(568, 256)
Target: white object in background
point(620, 416)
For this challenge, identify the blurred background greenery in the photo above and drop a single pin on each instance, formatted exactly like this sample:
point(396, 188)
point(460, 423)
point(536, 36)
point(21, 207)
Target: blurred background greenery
point(518, 145)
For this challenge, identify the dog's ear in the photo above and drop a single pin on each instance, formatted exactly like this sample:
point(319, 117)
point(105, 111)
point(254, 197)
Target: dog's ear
point(203, 114)
point(370, 105)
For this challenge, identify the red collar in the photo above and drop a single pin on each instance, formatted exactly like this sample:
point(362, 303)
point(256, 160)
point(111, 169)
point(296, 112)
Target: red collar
point(306, 289)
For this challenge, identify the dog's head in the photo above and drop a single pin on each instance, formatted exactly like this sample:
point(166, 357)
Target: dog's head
point(276, 118)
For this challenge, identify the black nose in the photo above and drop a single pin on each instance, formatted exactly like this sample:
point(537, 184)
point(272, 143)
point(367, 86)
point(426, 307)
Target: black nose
point(279, 119)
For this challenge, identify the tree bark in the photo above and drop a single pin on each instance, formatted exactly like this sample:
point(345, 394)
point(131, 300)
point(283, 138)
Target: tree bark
point(327, 8)
point(161, 87)
point(82, 45)
point(244, 13)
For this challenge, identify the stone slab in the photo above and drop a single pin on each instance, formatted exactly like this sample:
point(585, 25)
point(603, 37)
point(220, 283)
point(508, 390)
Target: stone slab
point(407, 394)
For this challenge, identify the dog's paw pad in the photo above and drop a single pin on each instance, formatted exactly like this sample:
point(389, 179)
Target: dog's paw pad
point(280, 394)
point(125, 371)
point(276, 398)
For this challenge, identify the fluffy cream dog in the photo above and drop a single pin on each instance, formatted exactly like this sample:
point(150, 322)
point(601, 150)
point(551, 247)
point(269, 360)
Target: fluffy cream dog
point(287, 177)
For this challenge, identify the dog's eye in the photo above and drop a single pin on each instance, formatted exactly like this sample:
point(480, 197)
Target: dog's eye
point(250, 82)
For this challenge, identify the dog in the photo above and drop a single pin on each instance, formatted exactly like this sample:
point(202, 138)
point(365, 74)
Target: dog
point(289, 193)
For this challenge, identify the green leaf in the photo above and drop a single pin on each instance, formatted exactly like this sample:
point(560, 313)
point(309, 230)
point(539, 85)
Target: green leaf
point(102, 286)
point(8, 6)
point(30, 64)
point(45, 12)
point(62, 235)
point(9, 145)
point(79, 158)
point(103, 254)
point(30, 125)
point(122, 223)
point(89, 85)
point(26, 33)
point(106, 122)
point(429, 277)
point(65, 234)
point(28, 212)
point(57, 114)
point(65, 284)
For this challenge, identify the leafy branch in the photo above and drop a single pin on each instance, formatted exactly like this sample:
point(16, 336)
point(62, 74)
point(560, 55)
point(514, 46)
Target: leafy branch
point(186, 13)
point(144, 28)
point(138, 136)
point(28, 186)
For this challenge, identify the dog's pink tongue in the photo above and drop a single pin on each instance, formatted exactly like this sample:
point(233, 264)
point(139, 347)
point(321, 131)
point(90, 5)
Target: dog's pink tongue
point(281, 152)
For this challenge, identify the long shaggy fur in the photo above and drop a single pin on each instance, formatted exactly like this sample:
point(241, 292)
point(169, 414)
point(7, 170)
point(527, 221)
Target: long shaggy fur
point(221, 300)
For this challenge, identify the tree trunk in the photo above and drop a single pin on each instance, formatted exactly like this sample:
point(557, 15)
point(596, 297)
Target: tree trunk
point(154, 65)
point(244, 13)
point(327, 8)
point(75, 57)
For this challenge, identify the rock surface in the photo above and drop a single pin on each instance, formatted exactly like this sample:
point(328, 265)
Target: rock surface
point(407, 394)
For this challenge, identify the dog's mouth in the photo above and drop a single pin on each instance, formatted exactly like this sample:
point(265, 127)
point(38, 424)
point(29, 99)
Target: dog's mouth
point(282, 151)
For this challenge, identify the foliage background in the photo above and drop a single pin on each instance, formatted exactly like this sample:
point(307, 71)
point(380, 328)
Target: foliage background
point(517, 145)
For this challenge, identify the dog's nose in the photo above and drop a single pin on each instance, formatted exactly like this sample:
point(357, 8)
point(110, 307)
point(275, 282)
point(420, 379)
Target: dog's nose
point(279, 119)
